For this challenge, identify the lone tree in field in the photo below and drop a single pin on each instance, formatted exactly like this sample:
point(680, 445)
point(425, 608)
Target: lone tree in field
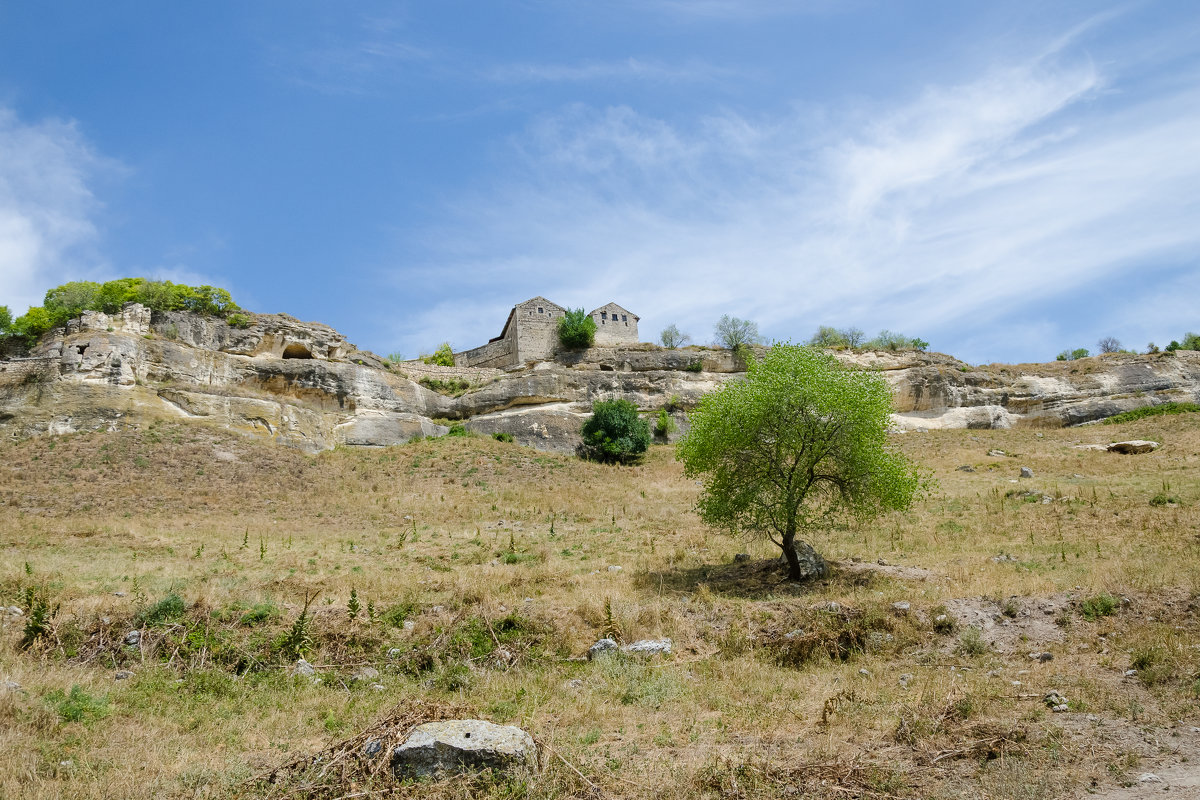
point(801, 441)
point(1109, 344)
point(671, 337)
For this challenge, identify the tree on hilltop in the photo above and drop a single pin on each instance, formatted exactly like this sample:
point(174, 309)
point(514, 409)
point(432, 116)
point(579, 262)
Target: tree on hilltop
point(576, 329)
point(671, 337)
point(734, 334)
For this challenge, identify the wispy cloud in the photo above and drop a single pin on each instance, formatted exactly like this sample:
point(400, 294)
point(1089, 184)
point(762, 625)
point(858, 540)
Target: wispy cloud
point(630, 69)
point(959, 215)
point(47, 208)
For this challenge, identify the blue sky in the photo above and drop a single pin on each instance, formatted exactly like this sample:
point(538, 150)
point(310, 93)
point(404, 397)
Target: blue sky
point(1005, 180)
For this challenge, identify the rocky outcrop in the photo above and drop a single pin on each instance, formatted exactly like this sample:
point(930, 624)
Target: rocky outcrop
point(304, 385)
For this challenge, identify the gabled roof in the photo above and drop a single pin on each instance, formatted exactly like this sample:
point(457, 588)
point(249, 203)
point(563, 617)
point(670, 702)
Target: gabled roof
point(539, 300)
point(610, 308)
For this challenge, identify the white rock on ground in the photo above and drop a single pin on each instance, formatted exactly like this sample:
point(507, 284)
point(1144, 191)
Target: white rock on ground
point(1133, 447)
point(454, 746)
point(649, 647)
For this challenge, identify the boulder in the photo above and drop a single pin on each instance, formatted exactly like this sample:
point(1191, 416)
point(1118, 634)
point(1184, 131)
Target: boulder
point(649, 647)
point(1133, 447)
point(602, 647)
point(455, 746)
point(1026, 472)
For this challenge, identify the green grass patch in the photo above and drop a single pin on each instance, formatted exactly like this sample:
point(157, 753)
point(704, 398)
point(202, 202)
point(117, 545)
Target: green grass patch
point(1152, 411)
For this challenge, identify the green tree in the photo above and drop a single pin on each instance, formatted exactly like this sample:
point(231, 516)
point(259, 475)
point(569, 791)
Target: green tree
point(735, 334)
point(797, 444)
point(854, 337)
point(1079, 352)
point(5, 320)
point(576, 330)
point(32, 324)
point(70, 300)
point(919, 344)
point(671, 337)
point(442, 357)
point(615, 433)
point(827, 336)
point(115, 294)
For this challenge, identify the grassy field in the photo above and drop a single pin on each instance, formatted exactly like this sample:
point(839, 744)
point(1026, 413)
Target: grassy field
point(479, 573)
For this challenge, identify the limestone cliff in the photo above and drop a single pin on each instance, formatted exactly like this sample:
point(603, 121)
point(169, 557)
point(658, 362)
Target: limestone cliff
point(306, 386)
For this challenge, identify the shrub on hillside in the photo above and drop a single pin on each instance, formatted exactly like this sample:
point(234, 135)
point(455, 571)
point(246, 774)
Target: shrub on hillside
point(615, 433)
point(576, 330)
point(442, 357)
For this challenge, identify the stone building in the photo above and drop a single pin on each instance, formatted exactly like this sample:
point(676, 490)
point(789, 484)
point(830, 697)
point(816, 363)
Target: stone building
point(531, 334)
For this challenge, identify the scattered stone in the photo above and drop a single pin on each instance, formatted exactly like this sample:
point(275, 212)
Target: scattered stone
point(649, 647)
point(379, 687)
point(118, 594)
point(133, 638)
point(1026, 472)
point(1056, 702)
point(901, 607)
point(1149, 777)
point(1131, 673)
point(408, 625)
point(304, 669)
point(15, 611)
point(453, 746)
point(1000, 559)
point(528, 600)
point(395, 652)
point(615, 568)
point(864, 673)
point(741, 557)
point(1042, 657)
point(365, 674)
point(372, 748)
point(12, 686)
point(1133, 447)
point(438, 609)
point(904, 679)
point(965, 468)
point(123, 675)
point(602, 647)
point(502, 655)
point(996, 453)
point(574, 683)
point(941, 618)
point(832, 607)
point(796, 634)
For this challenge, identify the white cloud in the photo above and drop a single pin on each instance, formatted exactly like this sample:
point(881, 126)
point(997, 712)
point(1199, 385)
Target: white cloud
point(946, 216)
point(47, 209)
point(630, 69)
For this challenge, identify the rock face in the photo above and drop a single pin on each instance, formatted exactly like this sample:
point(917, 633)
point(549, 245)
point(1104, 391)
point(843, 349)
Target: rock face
point(304, 385)
point(453, 746)
point(1133, 447)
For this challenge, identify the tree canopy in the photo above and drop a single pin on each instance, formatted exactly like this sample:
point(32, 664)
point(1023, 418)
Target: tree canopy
point(801, 441)
point(734, 334)
point(671, 337)
point(576, 329)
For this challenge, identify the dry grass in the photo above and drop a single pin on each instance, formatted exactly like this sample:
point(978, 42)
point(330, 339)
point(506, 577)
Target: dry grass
point(498, 558)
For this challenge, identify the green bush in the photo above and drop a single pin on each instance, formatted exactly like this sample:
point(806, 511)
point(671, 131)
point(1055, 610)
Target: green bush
point(5, 320)
point(78, 705)
point(695, 366)
point(442, 357)
point(238, 320)
point(1101, 605)
point(169, 608)
point(503, 437)
point(452, 387)
point(458, 429)
point(664, 426)
point(576, 330)
point(615, 433)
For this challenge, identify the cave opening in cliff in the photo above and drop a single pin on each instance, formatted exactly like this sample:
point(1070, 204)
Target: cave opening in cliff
point(297, 351)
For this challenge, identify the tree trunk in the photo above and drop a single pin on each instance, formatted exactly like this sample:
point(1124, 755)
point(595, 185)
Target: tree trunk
point(803, 561)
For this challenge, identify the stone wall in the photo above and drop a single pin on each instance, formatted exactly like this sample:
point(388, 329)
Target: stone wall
point(415, 370)
point(497, 354)
point(615, 325)
point(536, 326)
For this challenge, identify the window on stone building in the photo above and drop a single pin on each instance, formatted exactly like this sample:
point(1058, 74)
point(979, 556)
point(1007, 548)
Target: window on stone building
point(540, 310)
point(624, 318)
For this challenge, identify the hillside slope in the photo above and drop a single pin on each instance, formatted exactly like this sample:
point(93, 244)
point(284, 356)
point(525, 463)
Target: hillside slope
point(304, 385)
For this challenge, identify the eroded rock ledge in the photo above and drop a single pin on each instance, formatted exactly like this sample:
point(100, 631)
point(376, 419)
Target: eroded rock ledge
point(304, 385)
